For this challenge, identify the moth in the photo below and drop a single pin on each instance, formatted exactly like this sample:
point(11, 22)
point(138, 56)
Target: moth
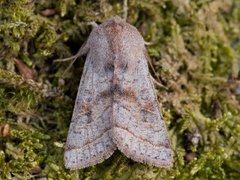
point(116, 105)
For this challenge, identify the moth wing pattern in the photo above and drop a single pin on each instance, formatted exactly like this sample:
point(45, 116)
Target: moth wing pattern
point(88, 142)
point(139, 129)
point(116, 104)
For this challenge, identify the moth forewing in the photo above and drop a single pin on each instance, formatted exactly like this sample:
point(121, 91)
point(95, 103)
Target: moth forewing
point(116, 104)
point(88, 141)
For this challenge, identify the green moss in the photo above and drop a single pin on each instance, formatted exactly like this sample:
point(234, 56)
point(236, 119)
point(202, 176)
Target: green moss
point(194, 48)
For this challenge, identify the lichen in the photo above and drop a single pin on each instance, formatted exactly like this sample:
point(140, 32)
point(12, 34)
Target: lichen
point(194, 49)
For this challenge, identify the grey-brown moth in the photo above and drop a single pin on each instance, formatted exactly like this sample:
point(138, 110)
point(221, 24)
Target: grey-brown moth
point(116, 105)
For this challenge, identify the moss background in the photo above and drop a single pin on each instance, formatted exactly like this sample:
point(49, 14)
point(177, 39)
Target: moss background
point(195, 52)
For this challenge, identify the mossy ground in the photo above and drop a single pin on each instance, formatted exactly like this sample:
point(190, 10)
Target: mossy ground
point(195, 52)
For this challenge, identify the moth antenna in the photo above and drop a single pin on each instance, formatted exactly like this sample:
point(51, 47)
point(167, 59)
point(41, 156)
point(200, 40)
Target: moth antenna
point(73, 58)
point(147, 43)
point(151, 65)
point(153, 79)
point(70, 65)
point(65, 59)
point(157, 83)
point(80, 52)
point(125, 9)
